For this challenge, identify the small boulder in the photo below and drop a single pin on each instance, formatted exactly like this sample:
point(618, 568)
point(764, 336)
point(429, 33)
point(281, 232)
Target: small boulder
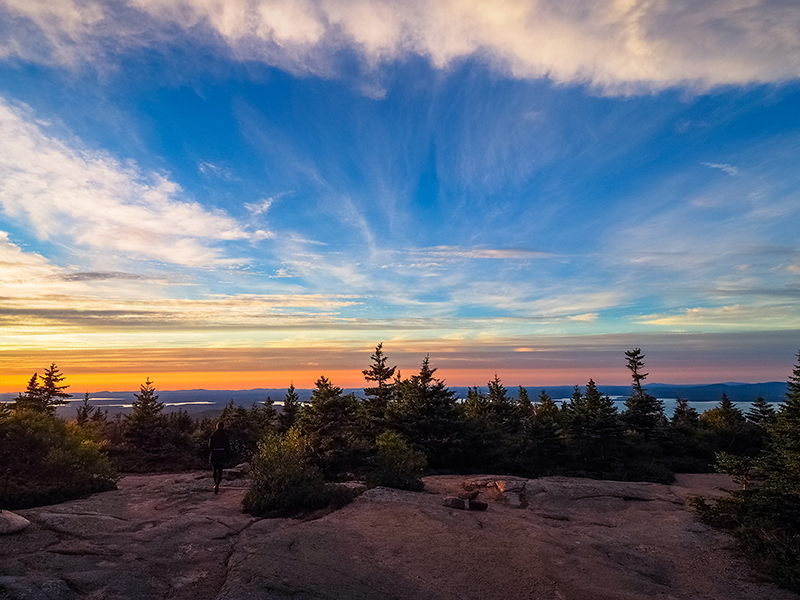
point(240, 470)
point(469, 495)
point(453, 502)
point(478, 505)
point(11, 523)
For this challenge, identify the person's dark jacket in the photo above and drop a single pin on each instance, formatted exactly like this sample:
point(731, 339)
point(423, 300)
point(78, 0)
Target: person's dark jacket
point(219, 447)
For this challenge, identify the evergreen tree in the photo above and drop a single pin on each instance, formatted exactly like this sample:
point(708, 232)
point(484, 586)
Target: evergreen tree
point(84, 411)
point(52, 392)
point(524, 403)
point(595, 432)
point(501, 406)
point(30, 399)
point(761, 412)
point(291, 408)
point(643, 413)
point(144, 426)
point(476, 405)
point(245, 428)
point(546, 408)
point(329, 423)
point(379, 396)
point(44, 393)
point(684, 415)
point(425, 411)
point(726, 415)
point(781, 463)
point(542, 445)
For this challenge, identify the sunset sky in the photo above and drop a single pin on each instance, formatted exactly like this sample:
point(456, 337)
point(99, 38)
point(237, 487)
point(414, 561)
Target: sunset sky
point(244, 193)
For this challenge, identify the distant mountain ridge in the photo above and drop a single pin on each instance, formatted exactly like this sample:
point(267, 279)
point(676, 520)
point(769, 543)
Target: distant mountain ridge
point(199, 400)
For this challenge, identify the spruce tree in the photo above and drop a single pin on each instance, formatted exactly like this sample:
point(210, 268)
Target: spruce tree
point(144, 426)
point(52, 391)
point(291, 408)
point(379, 396)
point(761, 412)
point(546, 408)
point(84, 411)
point(476, 406)
point(684, 416)
point(501, 406)
point(524, 403)
point(329, 423)
point(643, 413)
point(781, 463)
point(30, 399)
point(425, 411)
point(595, 430)
point(44, 393)
point(725, 416)
point(542, 451)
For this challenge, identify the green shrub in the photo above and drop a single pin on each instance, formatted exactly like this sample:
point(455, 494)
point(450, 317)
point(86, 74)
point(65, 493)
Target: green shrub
point(284, 482)
point(49, 460)
point(396, 464)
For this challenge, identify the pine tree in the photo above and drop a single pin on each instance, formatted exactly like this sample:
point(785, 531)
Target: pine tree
point(378, 397)
point(546, 408)
point(500, 404)
point(726, 415)
point(291, 408)
point(84, 411)
point(44, 393)
point(684, 415)
point(53, 393)
point(781, 463)
point(144, 425)
point(329, 423)
point(425, 411)
point(643, 413)
point(476, 405)
point(30, 399)
point(761, 412)
point(542, 444)
point(524, 403)
point(595, 431)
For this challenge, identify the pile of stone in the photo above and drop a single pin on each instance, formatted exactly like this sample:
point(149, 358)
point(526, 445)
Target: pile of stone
point(508, 490)
point(466, 500)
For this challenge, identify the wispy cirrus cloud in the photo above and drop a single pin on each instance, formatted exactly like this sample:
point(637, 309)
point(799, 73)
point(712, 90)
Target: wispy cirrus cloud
point(729, 169)
point(103, 203)
point(757, 316)
point(620, 47)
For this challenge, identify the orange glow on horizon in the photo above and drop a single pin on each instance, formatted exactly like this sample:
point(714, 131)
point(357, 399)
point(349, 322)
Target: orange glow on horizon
point(351, 378)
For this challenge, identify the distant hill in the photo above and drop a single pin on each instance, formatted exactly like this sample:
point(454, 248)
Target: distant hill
point(210, 402)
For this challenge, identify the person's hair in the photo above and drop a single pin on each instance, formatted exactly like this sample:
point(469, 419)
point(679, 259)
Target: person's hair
point(221, 425)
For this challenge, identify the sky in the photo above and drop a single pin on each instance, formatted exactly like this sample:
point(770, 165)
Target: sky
point(234, 194)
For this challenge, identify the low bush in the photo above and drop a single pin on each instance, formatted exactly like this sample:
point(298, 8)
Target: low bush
point(48, 460)
point(767, 525)
point(396, 464)
point(284, 482)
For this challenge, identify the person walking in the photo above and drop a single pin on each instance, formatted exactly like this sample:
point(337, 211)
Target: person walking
point(219, 447)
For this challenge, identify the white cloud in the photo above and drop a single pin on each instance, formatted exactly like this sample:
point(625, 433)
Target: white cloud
point(729, 169)
point(101, 203)
point(620, 46)
point(457, 252)
point(734, 317)
point(259, 208)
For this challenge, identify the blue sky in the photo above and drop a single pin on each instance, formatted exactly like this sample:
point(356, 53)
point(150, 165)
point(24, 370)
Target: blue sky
point(503, 186)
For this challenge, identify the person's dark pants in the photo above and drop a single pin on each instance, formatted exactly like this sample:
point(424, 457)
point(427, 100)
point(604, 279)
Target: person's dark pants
point(217, 473)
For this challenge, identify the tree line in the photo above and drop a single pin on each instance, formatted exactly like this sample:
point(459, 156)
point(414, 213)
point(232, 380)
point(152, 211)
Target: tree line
point(403, 428)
